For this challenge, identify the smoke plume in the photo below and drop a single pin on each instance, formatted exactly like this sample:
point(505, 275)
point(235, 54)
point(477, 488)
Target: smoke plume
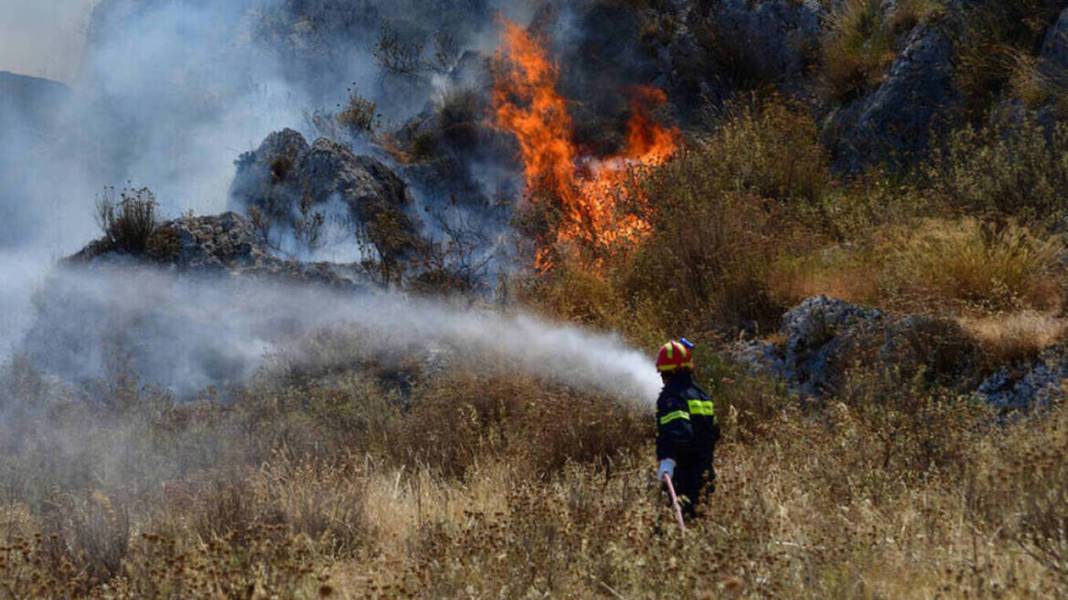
point(170, 93)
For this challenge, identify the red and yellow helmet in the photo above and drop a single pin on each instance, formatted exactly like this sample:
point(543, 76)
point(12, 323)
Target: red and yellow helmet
point(674, 356)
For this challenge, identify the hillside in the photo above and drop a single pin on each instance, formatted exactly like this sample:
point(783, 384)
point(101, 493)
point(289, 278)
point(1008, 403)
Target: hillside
point(27, 105)
point(409, 351)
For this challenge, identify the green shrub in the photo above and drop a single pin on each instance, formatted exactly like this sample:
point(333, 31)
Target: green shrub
point(1012, 168)
point(707, 258)
point(725, 209)
point(769, 149)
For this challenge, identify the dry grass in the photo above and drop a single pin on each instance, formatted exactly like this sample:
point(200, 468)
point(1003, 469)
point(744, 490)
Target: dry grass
point(993, 38)
point(910, 13)
point(910, 493)
point(971, 265)
point(359, 116)
point(839, 272)
point(857, 51)
point(1016, 337)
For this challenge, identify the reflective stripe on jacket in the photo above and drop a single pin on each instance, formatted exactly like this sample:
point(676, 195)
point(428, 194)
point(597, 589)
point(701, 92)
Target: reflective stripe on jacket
point(686, 421)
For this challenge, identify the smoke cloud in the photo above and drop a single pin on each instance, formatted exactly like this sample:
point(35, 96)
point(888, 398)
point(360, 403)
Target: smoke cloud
point(169, 94)
point(43, 39)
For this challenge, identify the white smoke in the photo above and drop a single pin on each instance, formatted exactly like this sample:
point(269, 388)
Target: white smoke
point(171, 92)
point(43, 39)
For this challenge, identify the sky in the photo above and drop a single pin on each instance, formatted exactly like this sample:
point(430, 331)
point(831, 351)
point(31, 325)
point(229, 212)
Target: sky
point(43, 38)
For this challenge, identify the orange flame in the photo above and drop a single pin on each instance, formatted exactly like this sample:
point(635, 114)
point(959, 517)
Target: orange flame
point(589, 189)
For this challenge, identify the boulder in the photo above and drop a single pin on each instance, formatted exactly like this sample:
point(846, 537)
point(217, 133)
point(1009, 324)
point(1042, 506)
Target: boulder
point(779, 34)
point(895, 121)
point(824, 338)
point(709, 52)
point(307, 197)
point(198, 307)
point(759, 357)
point(1034, 385)
point(1054, 53)
point(820, 334)
point(226, 245)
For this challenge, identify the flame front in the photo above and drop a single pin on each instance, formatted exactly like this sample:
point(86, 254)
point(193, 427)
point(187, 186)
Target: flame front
point(589, 189)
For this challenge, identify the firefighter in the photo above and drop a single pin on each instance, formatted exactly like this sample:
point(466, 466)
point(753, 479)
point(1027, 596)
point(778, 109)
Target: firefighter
point(687, 430)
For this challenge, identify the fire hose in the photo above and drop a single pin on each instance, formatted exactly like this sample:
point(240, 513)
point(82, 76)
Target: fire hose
point(674, 501)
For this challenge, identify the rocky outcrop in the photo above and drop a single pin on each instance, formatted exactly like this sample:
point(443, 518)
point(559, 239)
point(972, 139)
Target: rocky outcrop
point(196, 308)
point(28, 103)
point(28, 129)
point(1024, 386)
point(820, 333)
point(825, 338)
point(223, 245)
point(711, 51)
point(324, 194)
point(781, 35)
point(896, 119)
point(1054, 54)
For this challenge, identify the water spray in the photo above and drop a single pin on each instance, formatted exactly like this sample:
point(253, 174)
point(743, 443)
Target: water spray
point(193, 332)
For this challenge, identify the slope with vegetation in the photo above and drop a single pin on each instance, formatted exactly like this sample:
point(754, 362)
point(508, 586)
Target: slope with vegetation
point(876, 460)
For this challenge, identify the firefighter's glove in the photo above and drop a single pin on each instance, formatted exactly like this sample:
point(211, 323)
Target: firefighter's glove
point(667, 467)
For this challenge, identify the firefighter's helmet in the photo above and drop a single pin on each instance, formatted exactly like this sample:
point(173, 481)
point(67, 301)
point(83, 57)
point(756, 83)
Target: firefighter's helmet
point(674, 356)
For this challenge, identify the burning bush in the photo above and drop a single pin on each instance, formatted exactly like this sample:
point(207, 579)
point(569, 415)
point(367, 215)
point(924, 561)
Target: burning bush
point(588, 193)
